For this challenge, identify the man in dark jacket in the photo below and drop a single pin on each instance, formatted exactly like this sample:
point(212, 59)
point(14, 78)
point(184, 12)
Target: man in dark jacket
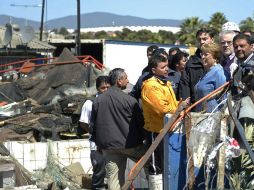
point(243, 83)
point(194, 68)
point(243, 76)
point(117, 124)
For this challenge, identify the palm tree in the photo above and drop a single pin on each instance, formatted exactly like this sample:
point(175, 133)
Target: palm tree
point(216, 21)
point(247, 24)
point(189, 27)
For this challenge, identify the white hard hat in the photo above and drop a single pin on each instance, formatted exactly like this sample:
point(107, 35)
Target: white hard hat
point(230, 26)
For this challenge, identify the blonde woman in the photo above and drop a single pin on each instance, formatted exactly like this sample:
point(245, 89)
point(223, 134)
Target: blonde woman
point(213, 77)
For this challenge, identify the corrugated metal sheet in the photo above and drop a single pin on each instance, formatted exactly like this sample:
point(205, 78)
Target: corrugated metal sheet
point(16, 42)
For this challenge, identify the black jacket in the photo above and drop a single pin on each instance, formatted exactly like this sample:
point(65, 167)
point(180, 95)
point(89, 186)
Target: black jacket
point(116, 120)
point(173, 77)
point(136, 90)
point(193, 72)
point(243, 75)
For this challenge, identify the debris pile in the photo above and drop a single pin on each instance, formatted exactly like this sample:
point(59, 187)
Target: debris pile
point(45, 105)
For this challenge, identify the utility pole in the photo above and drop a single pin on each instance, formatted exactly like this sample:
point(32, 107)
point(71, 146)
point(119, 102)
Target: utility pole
point(42, 19)
point(78, 44)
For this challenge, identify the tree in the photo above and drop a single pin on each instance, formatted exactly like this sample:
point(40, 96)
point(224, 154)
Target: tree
point(100, 35)
point(144, 36)
point(165, 37)
point(118, 35)
point(131, 37)
point(87, 35)
point(189, 27)
point(125, 33)
point(247, 24)
point(216, 21)
point(63, 31)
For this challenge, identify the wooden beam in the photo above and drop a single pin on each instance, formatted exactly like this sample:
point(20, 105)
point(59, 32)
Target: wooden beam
point(221, 160)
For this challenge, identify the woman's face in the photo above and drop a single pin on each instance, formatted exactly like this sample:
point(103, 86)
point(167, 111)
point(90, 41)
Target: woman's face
point(208, 60)
point(181, 64)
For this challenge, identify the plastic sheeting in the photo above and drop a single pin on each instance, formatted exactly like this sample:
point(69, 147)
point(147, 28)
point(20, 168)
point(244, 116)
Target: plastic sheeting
point(202, 138)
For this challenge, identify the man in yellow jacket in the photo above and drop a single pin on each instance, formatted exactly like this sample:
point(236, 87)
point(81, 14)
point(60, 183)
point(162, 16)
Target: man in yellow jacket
point(158, 98)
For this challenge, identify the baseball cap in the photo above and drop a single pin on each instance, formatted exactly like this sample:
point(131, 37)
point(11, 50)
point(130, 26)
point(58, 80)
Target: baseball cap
point(230, 26)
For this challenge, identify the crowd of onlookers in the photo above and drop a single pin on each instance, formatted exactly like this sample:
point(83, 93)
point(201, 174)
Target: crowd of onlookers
point(124, 125)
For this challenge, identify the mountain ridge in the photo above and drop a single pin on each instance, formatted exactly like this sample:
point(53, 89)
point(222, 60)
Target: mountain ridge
point(91, 20)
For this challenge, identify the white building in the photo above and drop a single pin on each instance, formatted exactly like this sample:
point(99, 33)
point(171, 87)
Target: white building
point(133, 28)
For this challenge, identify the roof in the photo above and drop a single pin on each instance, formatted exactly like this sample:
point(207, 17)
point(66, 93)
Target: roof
point(16, 42)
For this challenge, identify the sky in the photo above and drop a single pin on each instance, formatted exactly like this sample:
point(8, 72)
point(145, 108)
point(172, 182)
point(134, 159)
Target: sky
point(235, 11)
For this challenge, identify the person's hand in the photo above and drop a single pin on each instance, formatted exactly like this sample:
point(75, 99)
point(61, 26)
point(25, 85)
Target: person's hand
point(187, 101)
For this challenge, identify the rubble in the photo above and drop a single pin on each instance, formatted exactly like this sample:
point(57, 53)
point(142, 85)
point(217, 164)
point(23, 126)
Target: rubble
point(43, 105)
point(48, 100)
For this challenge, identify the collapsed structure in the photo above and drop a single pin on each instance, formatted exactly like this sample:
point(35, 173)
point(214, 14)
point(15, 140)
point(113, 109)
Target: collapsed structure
point(45, 103)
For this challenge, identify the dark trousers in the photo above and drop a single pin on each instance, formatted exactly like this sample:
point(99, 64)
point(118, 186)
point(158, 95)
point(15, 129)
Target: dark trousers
point(99, 171)
point(157, 158)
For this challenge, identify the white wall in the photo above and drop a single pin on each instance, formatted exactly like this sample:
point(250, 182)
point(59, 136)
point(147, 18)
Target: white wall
point(33, 156)
point(131, 57)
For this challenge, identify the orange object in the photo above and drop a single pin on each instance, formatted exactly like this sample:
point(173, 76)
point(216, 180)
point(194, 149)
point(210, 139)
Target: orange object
point(27, 67)
point(3, 103)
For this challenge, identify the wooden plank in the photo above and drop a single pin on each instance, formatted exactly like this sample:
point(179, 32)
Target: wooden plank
point(221, 160)
point(251, 94)
point(24, 120)
point(6, 167)
point(191, 177)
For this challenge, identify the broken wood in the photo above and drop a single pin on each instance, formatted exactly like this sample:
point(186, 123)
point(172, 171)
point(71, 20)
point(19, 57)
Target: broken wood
point(190, 176)
point(24, 120)
point(251, 93)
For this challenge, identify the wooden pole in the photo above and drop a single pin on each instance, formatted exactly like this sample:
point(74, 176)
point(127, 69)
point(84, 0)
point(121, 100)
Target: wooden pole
point(78, 44)
point(42, 19)
point(191, 176)
point(221, 160)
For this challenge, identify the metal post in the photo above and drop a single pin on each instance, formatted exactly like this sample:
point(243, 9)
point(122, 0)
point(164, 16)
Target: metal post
point(78, 45)
point(42, 19)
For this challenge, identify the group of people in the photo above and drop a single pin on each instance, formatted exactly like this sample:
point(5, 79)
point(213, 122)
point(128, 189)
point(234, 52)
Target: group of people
point(124, 125)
